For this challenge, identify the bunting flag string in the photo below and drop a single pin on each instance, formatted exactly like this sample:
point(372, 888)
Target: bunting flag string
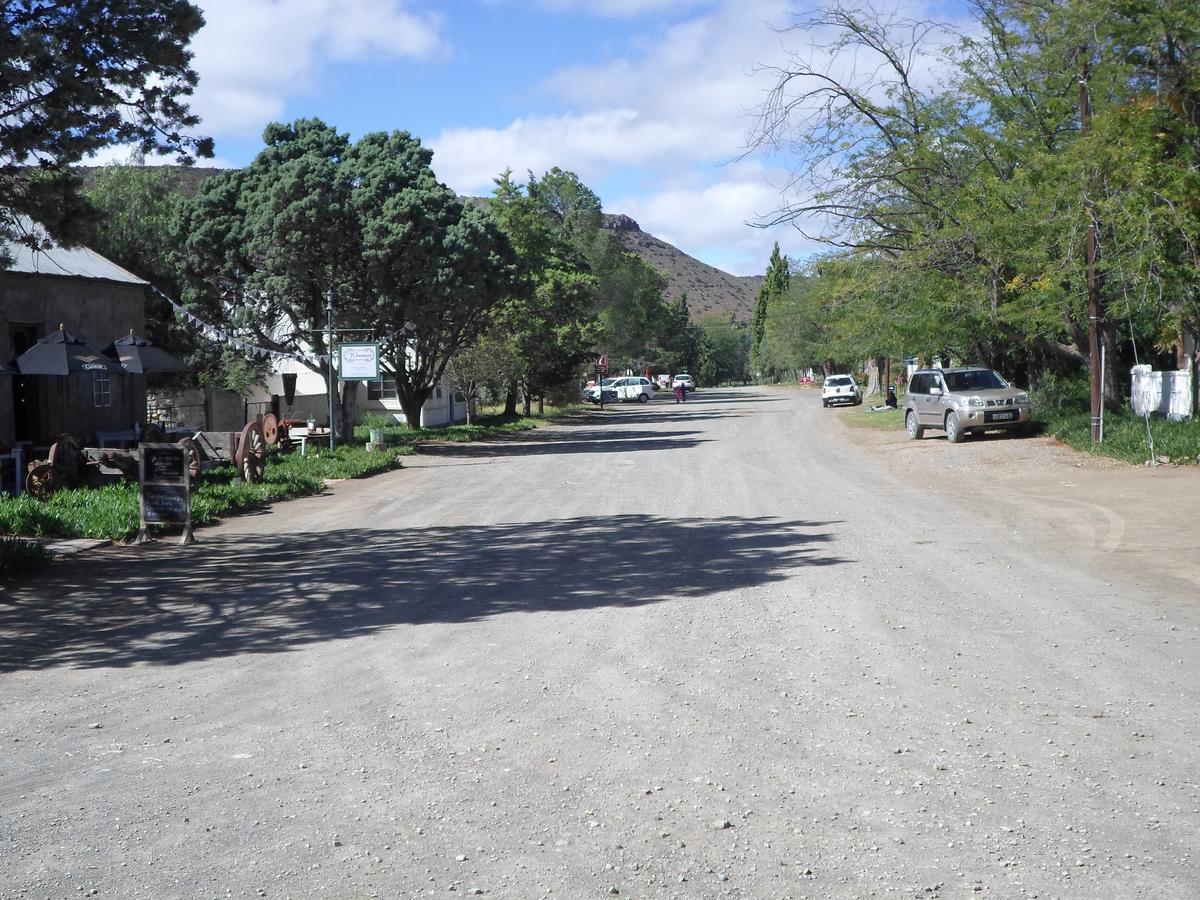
point(216, 333)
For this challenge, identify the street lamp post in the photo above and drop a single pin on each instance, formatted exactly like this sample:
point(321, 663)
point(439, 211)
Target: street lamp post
point(331, 381)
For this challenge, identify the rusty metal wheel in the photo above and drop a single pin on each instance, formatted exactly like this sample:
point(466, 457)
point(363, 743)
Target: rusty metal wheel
point(270, 429)
point(42, 481)
point(251, 457)
point(67, 459)
point(192, 454)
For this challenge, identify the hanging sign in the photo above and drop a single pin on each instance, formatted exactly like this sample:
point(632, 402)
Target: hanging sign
point(358, 362)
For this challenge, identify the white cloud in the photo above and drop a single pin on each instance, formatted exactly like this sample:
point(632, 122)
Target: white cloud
point(684, 99)
point(674, 113)
point(253, 55)
point(616, 8)
point(712, 222)
point(128, 154)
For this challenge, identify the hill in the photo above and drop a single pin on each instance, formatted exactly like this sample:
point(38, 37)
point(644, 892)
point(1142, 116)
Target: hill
point(709, 290)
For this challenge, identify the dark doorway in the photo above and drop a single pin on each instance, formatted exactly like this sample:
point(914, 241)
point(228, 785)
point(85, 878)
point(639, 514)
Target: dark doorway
point(25, 406)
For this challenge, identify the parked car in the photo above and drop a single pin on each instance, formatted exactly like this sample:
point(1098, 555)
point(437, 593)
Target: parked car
point(840, 389)
point(964, 400)
point(684, 379)
point(592, 392)
point(634, 387)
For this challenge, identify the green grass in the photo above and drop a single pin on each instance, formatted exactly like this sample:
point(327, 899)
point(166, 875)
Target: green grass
point(1124, 434)
point(112, 511)
point(862, 417)
point(18, 557)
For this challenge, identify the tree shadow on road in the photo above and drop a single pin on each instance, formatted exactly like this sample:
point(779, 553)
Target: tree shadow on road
point(571, 441)
point(163, 604)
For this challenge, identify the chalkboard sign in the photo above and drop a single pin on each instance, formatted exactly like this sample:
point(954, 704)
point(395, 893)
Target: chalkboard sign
point(164, 465)
point(165, 489)
point(165, 504)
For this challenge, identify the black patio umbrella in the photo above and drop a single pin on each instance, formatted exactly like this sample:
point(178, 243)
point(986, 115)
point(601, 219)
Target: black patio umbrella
point(61, 353)
point(137, 356)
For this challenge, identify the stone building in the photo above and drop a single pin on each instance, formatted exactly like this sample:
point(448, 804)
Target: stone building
point(94, 299)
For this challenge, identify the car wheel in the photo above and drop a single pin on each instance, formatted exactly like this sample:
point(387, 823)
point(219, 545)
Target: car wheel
point(642, 398)
point(954, 430)
point(915, 430)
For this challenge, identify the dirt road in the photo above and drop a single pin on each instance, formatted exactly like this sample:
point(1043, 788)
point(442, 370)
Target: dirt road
point(720, 649)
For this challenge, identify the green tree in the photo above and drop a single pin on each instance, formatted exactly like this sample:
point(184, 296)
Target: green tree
point(774, 286)
point(552, 222)
point(78, 77)
point(135, 206)
point(315, 216)
point(724, 350)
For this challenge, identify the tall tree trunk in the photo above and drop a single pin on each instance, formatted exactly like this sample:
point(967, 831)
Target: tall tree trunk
point(525, 401)
point(411, 402)
point(887, 373)
point(510, 399)
point(348, 410)
point(541, 405)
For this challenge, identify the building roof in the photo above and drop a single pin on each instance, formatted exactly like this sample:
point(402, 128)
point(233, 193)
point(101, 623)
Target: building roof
point(64, 262)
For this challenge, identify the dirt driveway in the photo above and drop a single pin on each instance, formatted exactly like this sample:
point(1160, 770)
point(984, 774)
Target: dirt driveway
point(1139, 524)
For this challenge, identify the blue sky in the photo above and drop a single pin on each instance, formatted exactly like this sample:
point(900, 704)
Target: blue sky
point(649, 101)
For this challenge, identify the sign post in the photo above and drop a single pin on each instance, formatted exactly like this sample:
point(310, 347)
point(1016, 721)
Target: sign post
point(166, 491)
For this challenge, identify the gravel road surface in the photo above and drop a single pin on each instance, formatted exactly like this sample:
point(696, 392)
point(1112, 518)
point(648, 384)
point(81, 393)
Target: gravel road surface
point(726, 648)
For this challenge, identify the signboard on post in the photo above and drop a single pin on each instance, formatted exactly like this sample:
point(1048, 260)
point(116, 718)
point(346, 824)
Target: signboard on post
point(358, 361)
point(166, 496)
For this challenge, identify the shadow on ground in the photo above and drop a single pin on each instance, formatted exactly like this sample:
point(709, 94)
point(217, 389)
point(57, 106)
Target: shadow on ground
point(231, 594)
point(598, 440)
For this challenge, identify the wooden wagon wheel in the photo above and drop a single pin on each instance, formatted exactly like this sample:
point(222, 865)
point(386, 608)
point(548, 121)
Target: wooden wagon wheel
point(251, 456)
point(42, 481)
point(270, 429)
point(67, 459)
point(192, 455)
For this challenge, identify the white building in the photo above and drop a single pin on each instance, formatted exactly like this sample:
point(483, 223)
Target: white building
point(311, 400)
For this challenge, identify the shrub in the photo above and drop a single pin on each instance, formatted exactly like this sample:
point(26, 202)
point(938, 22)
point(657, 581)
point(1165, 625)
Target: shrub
point(18, 556)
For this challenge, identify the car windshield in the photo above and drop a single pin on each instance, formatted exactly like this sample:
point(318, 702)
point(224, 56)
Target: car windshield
point(608, 382)
point(975, 380)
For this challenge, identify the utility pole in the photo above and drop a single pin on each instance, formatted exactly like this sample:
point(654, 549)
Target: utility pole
point(1094, 304)
point(331, 383)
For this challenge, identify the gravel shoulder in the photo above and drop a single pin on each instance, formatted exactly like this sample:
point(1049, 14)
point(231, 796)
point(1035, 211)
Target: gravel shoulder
point(1135, 523)
point(721, 649)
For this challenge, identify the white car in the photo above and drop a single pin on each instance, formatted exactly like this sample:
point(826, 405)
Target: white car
point(840, 389)
point(592, 392)
point(685, 380)
point(633, 387)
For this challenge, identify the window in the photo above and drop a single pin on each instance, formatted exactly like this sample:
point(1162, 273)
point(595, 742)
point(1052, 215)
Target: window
point(439, 393)
point(101, 390)
point(381, 390)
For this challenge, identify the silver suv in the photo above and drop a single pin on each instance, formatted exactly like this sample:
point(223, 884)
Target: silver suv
point(962, 401)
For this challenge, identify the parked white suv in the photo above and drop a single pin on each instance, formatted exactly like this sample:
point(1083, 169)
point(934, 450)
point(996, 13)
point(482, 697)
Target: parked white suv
point(633, 387)
point(683, 379)
point(840, 389)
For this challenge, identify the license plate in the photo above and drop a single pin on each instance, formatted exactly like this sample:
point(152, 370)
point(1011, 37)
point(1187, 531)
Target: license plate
point(1002, 416)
